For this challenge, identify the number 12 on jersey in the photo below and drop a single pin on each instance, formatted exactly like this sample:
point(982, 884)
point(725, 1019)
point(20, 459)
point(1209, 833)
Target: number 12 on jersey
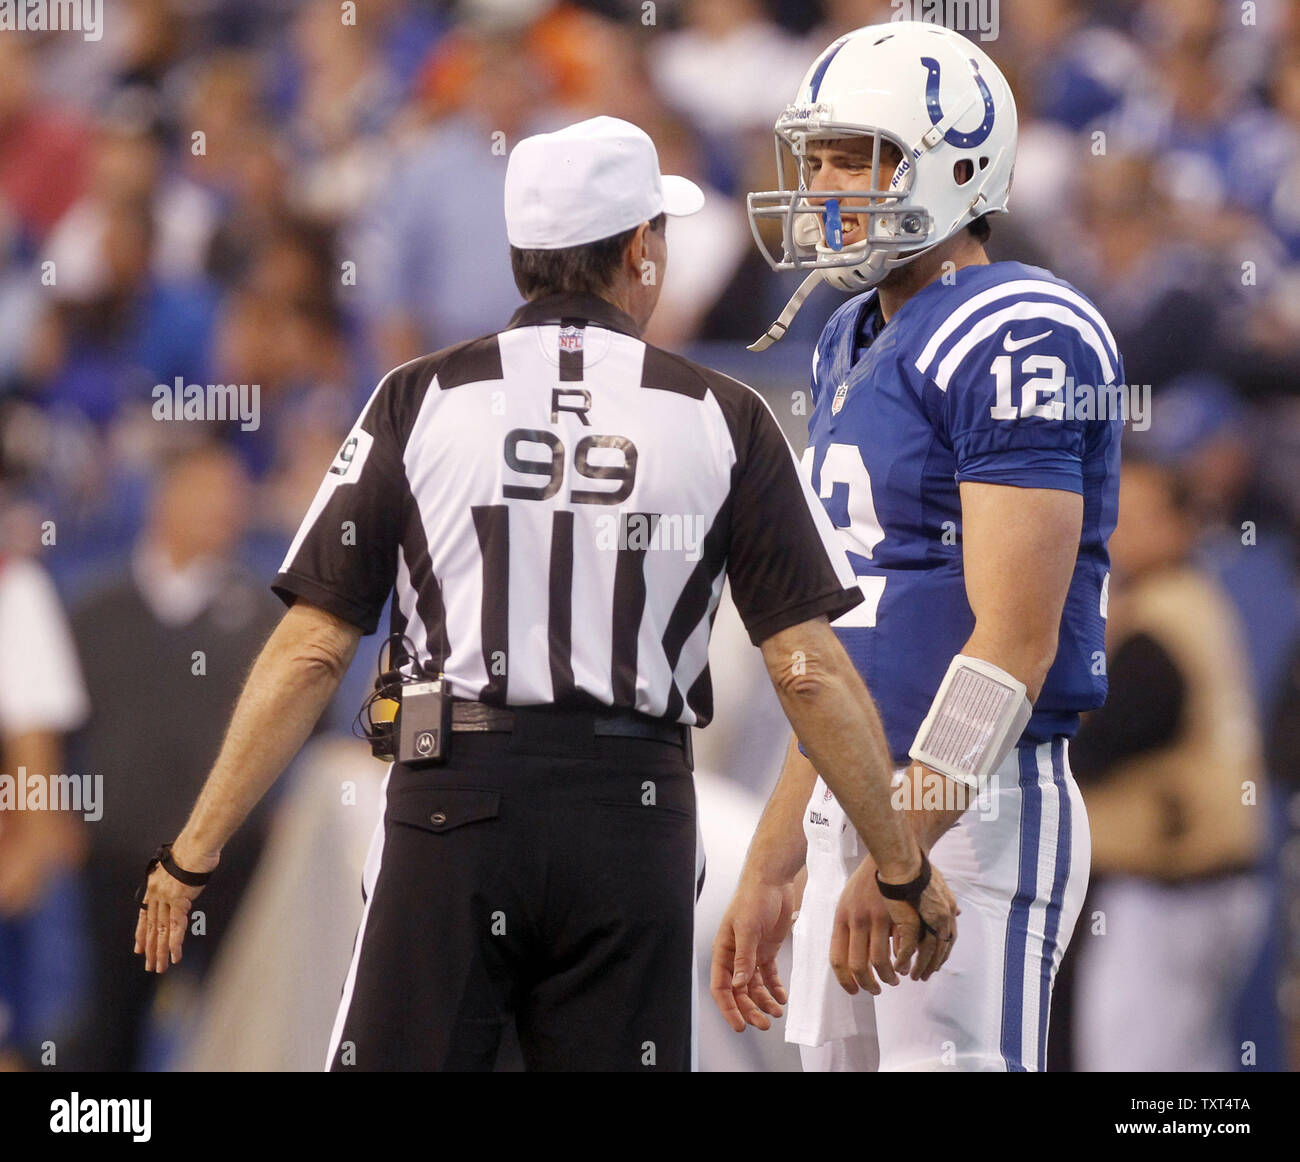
point(855, 520)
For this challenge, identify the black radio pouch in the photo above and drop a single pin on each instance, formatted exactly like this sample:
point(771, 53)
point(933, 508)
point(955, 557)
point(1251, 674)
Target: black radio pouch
point(424, 724)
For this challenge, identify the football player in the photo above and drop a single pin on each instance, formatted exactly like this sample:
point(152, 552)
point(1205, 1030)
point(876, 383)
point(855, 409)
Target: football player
point(965, 441)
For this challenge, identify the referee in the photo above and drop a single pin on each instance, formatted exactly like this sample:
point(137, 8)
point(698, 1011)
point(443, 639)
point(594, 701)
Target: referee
point(554, 509)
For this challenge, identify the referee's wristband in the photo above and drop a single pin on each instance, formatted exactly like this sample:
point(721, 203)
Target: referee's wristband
point(163, 856)
point(910, 892)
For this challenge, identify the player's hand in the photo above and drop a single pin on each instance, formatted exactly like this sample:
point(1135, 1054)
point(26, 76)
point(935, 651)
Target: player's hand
point(164, 920)
point(744, 980)
point(939, 910)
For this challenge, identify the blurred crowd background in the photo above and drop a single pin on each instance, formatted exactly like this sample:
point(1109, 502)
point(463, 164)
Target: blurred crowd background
point(235, 191)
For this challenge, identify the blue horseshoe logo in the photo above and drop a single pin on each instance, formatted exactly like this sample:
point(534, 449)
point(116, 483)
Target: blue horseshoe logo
point(952, 137)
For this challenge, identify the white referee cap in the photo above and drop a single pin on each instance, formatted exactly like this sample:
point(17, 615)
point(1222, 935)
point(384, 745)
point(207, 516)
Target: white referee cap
point(589, 181)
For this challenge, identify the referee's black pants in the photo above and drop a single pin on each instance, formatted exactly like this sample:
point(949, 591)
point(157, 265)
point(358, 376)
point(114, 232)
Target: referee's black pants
point(548, 881)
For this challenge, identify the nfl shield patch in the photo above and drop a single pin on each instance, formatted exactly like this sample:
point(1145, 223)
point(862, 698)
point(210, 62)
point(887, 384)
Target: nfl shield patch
point(838, 401)
point(570, 338)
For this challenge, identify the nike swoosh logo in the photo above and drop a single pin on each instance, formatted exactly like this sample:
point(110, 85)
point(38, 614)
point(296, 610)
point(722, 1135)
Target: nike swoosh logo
point(1010, 344)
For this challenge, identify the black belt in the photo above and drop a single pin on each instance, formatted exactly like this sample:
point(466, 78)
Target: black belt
point(479, 718)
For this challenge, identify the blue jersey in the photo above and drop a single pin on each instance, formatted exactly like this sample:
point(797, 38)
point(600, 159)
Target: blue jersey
point(994, 377)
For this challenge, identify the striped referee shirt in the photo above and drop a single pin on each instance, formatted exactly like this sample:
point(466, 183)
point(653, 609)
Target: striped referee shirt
point(556, 507)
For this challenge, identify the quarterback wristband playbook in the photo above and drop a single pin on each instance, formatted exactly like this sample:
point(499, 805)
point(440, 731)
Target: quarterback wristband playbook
point(164, 856)
point(975, 719)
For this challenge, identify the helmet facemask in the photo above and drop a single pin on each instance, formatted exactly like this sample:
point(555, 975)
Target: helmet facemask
point(813, 222)
point(951, 117)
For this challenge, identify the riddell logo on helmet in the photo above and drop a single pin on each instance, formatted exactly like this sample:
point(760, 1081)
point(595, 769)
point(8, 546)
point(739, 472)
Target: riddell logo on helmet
point(809, 113)
point(968, 16)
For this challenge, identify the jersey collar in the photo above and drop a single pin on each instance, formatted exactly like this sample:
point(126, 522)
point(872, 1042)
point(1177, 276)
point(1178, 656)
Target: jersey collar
point(867, 323)
point(563, 307)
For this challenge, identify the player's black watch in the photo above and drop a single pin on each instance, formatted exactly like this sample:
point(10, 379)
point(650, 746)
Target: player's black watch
point(164, 856)
point(910, 892)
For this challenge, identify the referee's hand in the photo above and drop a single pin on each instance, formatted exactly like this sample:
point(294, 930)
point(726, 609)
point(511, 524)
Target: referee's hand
point(164, 919)
point(874, 937)
point(939, 910)
point(744, 980)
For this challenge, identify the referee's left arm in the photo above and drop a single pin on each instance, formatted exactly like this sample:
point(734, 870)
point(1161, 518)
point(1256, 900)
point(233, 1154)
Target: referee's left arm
point(292, 681)
point(336, 591)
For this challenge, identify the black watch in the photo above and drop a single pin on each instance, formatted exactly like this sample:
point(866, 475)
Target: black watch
point(164, 856)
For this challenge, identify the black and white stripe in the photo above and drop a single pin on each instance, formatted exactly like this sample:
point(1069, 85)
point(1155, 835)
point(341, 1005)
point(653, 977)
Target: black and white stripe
point(501, 488)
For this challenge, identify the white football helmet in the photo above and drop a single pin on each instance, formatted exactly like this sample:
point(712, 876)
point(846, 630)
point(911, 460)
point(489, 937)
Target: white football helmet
point(939, 100)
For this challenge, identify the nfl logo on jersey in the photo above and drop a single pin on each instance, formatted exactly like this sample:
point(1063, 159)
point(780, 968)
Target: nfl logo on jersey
point(838, 401)
point(570, 338)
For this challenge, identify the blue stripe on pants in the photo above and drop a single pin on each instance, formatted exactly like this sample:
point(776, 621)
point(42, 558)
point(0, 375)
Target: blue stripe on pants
point(1052, 924)
point(1013, 967)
